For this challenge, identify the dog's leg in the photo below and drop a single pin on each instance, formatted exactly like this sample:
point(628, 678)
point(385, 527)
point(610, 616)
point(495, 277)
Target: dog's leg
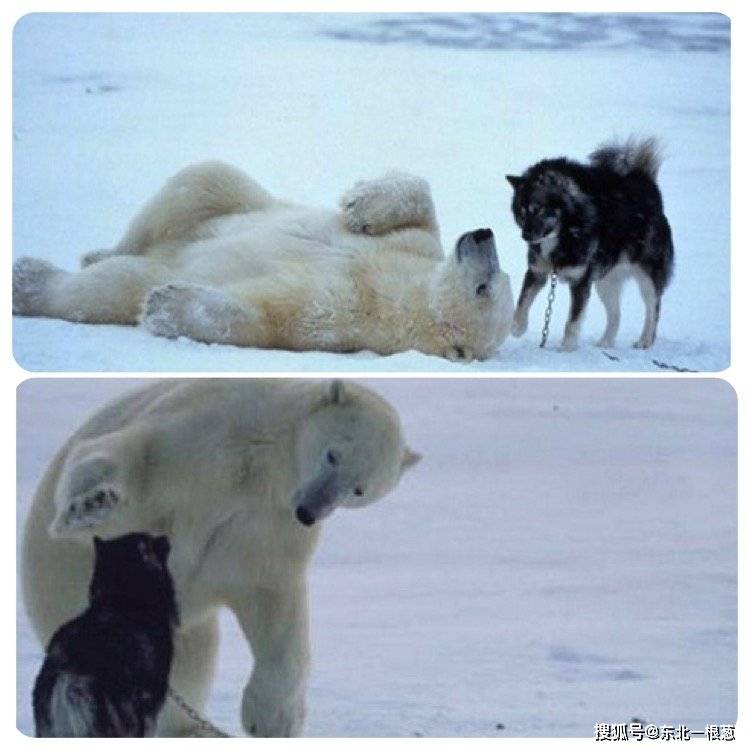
point(609, 289)
point(533, 283)
point(275, 622)
point(652, 301)
point(580, 291)
point(395, 201)
point(111, 291)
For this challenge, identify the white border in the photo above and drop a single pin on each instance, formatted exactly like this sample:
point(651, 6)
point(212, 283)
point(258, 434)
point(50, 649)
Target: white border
point(11, 374)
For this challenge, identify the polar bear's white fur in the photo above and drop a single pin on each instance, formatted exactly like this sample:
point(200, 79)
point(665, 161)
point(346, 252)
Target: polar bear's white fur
point(237, 473)
point(214, 257)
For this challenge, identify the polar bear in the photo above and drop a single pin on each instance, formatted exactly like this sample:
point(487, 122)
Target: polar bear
point(238, 474)
point(214, 257)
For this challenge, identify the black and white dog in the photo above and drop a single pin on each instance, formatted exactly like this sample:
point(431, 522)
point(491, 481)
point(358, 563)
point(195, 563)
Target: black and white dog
point(601, 223)
point(106, 672)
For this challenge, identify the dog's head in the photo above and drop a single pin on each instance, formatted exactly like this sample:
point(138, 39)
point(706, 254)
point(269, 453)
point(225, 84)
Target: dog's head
point(130, 571)
point(547, 202)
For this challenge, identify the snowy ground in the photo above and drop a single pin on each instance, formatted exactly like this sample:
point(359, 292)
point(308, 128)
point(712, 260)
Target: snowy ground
point(106, 107)
point(565, 554)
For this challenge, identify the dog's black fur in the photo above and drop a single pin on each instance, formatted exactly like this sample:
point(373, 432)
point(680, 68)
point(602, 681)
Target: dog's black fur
point(596, 222)
point(106, 672)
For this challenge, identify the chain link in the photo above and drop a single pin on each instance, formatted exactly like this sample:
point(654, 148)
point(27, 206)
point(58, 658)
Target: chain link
point(548, 318)
point(207, 728)
point(667, 366)
point(548, 311)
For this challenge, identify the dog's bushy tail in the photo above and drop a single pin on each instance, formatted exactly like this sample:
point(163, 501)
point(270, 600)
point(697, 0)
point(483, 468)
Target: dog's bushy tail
point(635, 155)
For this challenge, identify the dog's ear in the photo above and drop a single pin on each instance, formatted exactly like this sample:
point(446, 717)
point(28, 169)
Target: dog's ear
point(161, 548)
point(514, 180)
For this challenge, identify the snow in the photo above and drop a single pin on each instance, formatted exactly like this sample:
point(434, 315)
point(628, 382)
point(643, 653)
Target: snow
point(565, 554)
point(106, 107)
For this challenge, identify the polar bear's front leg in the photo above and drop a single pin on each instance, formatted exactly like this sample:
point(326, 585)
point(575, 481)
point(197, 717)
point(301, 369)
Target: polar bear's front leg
point(201, 313)
point(395, 201)
point(275, 623)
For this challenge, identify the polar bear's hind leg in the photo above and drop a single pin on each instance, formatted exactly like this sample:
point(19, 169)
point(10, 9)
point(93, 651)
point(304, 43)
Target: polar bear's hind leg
point(110, 291)
point(32, 278)
point(192, 197)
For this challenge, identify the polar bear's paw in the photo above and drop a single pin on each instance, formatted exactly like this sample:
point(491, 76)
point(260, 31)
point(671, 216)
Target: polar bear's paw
point(266, 717)
point(92, 508)
point(88, 511)
point(191, 310)
point(88, 259)
point(394, 201)
point(165, 309)
point(31, 277)
point(90, 498)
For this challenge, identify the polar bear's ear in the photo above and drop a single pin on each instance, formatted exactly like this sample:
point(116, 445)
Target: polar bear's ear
point(411, 458)
point(336, 392)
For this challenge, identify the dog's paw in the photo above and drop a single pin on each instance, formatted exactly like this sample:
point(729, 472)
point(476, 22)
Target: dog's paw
point(31, 277)
point(644, 342)
point(606, 342)
point(568, 345)
point(519, 326)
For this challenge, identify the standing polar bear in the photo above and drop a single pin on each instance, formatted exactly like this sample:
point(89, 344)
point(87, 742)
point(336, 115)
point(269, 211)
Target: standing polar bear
point(237, 473)
point(214, 257)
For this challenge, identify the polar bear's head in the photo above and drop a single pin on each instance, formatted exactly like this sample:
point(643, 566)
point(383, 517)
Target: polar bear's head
point(350, 452)
point(471, 300)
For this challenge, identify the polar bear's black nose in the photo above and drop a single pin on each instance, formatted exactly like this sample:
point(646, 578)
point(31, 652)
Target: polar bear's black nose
point(304, 516)
point(482, 235)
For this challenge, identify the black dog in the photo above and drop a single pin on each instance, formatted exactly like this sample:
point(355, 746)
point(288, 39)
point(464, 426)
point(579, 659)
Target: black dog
point(601, 223)
point(106, 672)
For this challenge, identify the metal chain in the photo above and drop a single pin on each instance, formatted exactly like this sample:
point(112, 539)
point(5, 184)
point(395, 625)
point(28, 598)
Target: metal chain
point(209, 729)
point(658, 363)
point(667, 366)
point(548, 318)
point(548, 311)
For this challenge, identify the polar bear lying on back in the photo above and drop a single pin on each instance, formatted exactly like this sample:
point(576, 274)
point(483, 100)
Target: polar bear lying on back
point(237, 473)
point(214, 257)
